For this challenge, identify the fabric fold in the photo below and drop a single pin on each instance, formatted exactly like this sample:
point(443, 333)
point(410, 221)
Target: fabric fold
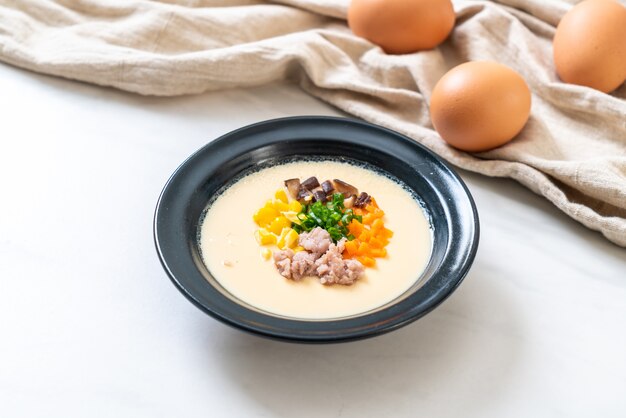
point(572, 151)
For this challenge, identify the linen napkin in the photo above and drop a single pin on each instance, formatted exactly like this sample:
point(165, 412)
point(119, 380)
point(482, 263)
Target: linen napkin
point(572, 151)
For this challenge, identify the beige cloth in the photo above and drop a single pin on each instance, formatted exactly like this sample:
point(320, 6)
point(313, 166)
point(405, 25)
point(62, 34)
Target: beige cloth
point(572, 151)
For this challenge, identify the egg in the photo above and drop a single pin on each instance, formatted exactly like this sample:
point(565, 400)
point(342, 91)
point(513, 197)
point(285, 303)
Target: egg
point(480, 105)
point(402, 26)
point(590, 45)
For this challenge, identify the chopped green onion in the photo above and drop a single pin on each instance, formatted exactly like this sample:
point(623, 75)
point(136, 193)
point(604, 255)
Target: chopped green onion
point(332, 216)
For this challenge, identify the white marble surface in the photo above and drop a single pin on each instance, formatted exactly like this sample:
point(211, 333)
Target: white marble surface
point(92, 327)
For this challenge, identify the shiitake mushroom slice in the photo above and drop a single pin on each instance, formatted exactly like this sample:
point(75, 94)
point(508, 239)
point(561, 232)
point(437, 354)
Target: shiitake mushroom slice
point(293, 187)
point(327, 187)
point(304, 195)
point(310, 183)
point(362, 200)
point(319, 195)
point(345, 188)
point(310, 189)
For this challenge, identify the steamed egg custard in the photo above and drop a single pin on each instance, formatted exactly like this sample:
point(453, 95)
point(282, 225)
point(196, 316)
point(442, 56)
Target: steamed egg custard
point(315, 239)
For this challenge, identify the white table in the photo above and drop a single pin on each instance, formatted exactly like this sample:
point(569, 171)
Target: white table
point(92, 327)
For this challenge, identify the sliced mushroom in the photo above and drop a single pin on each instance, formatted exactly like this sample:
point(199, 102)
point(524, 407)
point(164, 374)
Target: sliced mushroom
point(319, 196)
point(345, 188)
point(310, 183)
point(327, 186)
point(304, 195)
point(293, 187)
point(362, 200)
point(349, 202)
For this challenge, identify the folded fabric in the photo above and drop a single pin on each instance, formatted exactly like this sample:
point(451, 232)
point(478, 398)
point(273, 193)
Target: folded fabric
point(572, 151)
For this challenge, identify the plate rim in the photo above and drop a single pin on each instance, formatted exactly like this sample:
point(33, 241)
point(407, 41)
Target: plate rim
point(320, 337)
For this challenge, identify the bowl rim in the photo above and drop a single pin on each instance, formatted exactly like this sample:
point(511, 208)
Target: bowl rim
point(220, 307)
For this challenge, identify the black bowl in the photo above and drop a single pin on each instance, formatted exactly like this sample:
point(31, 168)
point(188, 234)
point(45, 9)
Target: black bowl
point(449, 204)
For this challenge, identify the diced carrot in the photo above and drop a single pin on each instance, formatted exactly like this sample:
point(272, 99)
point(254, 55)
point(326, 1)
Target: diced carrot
point(370, 208)
point(377, 225)
point(352, 247)
point(378, 252)
point(364, 248)
point(373, 202)
point(368, 218)
point(378, 242)
point(365, 236)
point(355, 227)
point(367, 261)
point(386, 233)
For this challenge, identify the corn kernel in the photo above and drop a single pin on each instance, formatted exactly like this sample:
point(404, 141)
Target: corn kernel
point(291, 239)
point(264, 237)
point(265, 215)
point(277, 225)
point(281, 195)
point(282, 238)
point(280, 206)
point(292, 216)
point(280, 241)
point(295, 206)
point(266, 253)
point(298, 249)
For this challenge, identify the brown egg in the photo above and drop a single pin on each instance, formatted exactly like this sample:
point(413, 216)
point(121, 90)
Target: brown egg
point(402, 26)
point(480, 105)
point(590, 45)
